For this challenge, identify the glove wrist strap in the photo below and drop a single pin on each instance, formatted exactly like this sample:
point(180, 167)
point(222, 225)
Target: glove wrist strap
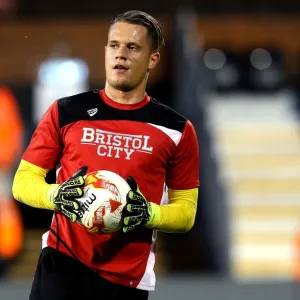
point(154, 216)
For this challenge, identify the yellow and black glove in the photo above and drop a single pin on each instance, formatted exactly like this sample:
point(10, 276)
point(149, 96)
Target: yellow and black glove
point(138, 211)
point(64, 196)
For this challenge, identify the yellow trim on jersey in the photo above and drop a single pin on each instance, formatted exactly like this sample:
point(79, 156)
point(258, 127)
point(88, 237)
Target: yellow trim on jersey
point(176, 216)
point(30, 187)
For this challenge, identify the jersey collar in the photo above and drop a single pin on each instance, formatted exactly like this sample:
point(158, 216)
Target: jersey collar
point(117, 105)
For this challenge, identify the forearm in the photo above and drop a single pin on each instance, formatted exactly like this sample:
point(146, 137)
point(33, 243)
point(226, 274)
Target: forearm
point(29, 186)
point(178, 215)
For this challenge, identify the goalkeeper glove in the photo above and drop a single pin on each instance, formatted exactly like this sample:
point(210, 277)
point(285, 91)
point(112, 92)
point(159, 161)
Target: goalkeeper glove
point(138, 211)
point(64, 196)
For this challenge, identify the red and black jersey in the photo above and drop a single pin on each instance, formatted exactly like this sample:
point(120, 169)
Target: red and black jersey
point(147, 140)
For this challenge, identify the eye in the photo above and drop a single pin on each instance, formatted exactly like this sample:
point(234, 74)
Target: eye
point(132, 47)
point(113, 46)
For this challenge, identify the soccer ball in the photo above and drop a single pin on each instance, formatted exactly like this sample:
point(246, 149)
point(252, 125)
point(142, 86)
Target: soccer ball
point(100, 207)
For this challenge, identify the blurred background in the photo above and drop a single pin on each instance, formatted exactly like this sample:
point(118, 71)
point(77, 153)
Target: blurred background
point(233, 69)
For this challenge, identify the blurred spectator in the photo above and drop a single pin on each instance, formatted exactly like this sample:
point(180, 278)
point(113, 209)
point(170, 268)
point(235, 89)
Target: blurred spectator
point(11, 142)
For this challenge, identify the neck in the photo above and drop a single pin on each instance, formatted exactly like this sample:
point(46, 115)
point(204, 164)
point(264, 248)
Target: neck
point(131, 97)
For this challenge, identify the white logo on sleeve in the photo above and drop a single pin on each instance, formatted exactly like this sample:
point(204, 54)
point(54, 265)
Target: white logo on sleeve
point(92, 111)
point(117, 145)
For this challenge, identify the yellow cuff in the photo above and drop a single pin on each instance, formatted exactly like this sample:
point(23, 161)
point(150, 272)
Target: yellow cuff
point(49, 205)
point(155, 216)
point(51, 191)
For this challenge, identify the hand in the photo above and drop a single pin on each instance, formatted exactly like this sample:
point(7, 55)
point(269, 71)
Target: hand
point(138, 210)
point(64, 197)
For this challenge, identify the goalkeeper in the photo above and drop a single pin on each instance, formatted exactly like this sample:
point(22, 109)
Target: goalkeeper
point(121, 129)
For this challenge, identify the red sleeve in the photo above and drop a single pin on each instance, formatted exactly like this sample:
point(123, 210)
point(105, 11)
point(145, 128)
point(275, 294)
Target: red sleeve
point(184, 166)
point(45, 147)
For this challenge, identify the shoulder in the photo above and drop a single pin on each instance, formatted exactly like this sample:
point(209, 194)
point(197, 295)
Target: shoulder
point(78, 100)
point(166, 116)
point(77, 107)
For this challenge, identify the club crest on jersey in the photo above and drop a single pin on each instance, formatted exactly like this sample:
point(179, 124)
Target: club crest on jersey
point(117, 145)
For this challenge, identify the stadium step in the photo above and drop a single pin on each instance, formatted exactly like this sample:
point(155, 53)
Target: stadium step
point(257, 145)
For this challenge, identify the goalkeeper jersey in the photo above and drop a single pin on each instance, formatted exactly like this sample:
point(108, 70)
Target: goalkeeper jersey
point(146, 140)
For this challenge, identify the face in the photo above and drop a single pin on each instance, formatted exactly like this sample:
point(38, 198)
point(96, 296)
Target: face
point(128, 56)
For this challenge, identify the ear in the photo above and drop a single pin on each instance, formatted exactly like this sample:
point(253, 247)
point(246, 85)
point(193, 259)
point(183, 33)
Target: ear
point(154, 59)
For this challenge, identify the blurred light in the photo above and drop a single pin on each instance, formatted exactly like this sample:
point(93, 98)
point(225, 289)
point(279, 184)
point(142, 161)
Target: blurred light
point(228, 76)
point(260, 59)
point(58, 78)
point(214, 59)
point(69, 72)
point(265, 71)
point(62, 72)
point(270, 78)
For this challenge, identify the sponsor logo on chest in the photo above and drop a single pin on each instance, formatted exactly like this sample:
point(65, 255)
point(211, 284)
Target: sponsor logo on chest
point(117, 145)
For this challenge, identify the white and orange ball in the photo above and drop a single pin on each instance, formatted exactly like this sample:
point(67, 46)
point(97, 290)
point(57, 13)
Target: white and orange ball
point(103, 201)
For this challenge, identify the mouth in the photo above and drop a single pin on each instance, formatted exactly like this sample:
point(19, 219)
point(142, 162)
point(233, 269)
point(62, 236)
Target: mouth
point(120, 68)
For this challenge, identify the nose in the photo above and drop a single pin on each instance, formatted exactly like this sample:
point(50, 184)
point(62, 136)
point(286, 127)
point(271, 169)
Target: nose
point(121, 53)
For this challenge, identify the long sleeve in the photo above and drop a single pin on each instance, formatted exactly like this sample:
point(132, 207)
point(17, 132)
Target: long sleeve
point(178, 215)
point(30, 187)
